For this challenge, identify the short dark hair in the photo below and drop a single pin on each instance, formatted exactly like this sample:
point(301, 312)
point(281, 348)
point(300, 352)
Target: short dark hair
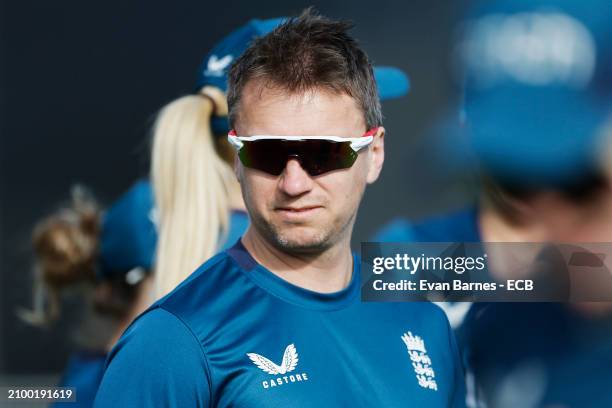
point(304, 53)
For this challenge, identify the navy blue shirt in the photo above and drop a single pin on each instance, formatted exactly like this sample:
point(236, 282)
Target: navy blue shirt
point(235, 334)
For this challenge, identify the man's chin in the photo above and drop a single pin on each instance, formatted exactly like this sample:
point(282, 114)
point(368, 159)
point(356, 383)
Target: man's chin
point(306, 242)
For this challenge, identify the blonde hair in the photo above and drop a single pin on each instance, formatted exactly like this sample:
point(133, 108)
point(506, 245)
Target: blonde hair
point(192, 186)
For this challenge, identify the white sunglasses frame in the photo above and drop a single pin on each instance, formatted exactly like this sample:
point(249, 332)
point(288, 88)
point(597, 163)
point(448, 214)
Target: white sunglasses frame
point(357, 143)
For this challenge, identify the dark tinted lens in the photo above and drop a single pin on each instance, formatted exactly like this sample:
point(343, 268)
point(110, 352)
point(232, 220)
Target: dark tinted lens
point(269, 156)
point(321, 156)
point(315, 156)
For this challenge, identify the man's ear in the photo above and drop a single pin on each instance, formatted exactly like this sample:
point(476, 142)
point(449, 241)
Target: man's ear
point(377, 155)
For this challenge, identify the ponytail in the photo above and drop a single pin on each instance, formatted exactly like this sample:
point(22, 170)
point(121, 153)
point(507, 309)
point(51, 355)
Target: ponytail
point(192, 186)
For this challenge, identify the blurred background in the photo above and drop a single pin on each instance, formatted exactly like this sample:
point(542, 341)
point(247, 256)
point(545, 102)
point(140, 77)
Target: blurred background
point(82, 81)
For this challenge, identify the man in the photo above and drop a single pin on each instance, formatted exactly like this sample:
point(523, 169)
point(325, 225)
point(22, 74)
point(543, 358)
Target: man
point(276, 320)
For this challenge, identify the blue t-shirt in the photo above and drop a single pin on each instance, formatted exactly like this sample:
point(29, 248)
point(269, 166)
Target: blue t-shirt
point(235, 334)
point(520, 354)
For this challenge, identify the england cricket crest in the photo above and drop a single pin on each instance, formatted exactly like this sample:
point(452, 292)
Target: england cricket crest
point(420, 361)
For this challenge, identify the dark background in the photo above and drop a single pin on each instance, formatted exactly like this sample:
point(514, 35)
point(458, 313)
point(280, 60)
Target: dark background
point(81, 82)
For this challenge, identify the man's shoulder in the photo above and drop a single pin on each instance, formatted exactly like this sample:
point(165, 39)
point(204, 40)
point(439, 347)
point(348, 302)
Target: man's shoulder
point(206, 283)
point(160, 356)
point(220, 263)
point(171, 318)
point(194, 302)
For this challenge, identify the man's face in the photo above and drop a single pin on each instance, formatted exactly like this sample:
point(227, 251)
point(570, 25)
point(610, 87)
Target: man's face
point(294, 211)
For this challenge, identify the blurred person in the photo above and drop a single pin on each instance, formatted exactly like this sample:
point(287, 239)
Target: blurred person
point(537, 87)
point(196, 193)
point(108, 259)
point(276, 319)
point(72, 259)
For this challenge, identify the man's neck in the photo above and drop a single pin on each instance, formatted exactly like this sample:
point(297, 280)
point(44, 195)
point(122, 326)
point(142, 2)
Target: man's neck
point(324, 272)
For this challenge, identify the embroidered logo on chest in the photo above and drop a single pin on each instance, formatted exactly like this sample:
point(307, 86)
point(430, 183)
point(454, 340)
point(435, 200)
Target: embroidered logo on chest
point(288, 365)
point(420, 361)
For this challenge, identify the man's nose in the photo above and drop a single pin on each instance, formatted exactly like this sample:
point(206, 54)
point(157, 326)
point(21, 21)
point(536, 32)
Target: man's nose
point(294, 180)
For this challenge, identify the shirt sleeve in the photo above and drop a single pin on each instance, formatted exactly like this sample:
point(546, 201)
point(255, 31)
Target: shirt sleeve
point(158, 362)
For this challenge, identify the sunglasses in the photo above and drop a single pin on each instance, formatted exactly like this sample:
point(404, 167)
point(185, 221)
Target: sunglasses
point(316, 154)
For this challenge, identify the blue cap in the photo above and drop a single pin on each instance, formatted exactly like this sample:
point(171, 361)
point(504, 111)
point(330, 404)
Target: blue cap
point(129, 233)
point(217, 63)
point(537, 87)
point(392, 82)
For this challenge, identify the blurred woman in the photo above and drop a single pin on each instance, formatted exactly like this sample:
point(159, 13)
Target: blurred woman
point(198, 198)
point(67, 246)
